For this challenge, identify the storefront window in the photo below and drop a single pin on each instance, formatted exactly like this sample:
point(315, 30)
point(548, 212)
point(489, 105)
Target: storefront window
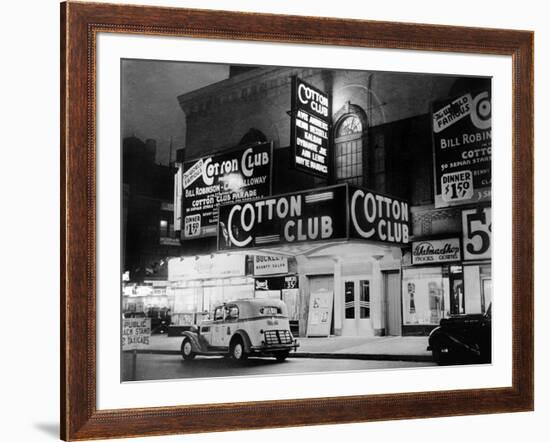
point(195, 300)
point(425, 296)
point(486, 287)
point(457, 291)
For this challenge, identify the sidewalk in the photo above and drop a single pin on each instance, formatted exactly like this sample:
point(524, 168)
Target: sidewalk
point(393, 348)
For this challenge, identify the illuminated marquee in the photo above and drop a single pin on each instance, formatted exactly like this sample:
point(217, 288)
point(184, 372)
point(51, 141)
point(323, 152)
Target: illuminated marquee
point(305, 216)
point(335, 212)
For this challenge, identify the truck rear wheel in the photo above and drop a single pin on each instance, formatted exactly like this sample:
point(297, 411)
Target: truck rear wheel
point(187, 349)
point(237, 350)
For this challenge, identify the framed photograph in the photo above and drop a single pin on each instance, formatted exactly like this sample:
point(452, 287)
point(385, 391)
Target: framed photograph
point(274, 220)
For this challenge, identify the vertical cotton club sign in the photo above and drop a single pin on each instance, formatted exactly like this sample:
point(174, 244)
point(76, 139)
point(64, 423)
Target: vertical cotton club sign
point(310, 125)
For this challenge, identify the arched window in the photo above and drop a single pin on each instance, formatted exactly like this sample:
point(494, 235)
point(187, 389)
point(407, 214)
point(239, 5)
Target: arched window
point(349, 153)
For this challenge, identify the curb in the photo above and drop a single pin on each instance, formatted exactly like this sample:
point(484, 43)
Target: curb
point(364, 357)
point(306, 355)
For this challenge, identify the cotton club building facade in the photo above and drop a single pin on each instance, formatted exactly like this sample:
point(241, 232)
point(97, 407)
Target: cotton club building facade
point(304, 185)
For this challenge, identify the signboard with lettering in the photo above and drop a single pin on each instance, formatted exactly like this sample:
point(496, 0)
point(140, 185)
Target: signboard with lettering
point(435, 251)
point(178, 188)
point(462, 149)
point(476, 233)
point(206, 266)
point(239, 175)
point(378, 217)
point(314, 215)
point(270, 265)
point(310, 127)
point(276, 283)
point(135, 333)
point(334, 212)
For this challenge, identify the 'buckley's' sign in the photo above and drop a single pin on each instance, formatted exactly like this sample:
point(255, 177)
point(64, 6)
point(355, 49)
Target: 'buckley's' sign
point(334, 212)
point(310, 128)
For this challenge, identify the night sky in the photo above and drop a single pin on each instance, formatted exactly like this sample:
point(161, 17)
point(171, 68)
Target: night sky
point(149, 102)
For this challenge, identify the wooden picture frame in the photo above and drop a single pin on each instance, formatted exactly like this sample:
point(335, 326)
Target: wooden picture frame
point(81, 23)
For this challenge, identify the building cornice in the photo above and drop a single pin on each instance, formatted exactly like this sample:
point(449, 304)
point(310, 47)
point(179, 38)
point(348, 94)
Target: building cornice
point(243, 87)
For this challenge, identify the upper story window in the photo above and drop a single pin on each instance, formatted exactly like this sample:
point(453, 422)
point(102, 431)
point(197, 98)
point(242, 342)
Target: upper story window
point(348, 148)
point(350, 125)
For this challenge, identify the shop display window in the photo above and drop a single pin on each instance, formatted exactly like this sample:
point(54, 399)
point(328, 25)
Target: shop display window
point(194, 301)
point(425, 296)
point(486, 287)
point(458, 306)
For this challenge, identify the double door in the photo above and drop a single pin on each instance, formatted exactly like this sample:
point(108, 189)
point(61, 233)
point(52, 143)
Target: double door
point(357, 307)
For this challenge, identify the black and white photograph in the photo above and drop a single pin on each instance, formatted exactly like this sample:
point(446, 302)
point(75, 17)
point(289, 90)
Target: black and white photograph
point(281, 220)
point(234, 221)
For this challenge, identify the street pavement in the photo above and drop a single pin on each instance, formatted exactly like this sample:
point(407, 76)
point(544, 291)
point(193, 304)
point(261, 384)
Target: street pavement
point(403, 348)
point(172, 366)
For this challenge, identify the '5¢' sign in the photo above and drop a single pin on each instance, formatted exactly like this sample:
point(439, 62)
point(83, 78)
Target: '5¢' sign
point(476, 233)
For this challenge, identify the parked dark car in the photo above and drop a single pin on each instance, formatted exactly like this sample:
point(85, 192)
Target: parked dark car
point(462, 339)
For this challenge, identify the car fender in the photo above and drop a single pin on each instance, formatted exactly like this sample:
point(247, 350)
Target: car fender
point(441, 338)
point(438, 337)
point(197, 348)
point(246, 339)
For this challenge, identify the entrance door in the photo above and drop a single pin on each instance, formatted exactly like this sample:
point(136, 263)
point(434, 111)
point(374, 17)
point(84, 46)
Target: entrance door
point(357, 308)
point(392, 295)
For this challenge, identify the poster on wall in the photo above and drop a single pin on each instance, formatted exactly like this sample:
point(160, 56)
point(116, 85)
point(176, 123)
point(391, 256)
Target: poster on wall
point(320, 313)
point(239, 175)
point(462, 149)
point(310, 128)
